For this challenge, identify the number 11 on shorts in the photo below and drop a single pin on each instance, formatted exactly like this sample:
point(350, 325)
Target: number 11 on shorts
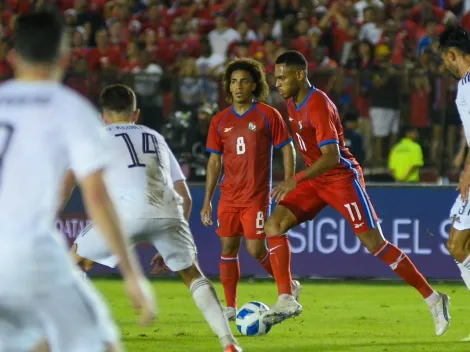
point(350, 207)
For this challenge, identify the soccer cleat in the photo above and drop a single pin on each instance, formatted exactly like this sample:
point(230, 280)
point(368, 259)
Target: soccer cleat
point(285, 308)
point(230, 313)
point(440, 314)
point(466, 339)
point(233, 348)
point(296, 288)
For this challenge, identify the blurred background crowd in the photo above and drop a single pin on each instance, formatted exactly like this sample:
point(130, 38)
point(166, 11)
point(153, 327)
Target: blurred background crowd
point(377, 59)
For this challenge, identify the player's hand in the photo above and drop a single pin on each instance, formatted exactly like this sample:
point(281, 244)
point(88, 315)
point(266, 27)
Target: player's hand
point(464, 185)
point(158, 265)
point(281, 190)
point(140, 292)
point(206, 214)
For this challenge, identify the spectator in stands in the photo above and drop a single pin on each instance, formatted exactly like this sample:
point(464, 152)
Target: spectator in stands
point(371, 30)
point(431, 35)
point(149, 86)
point(385, 103)
point(189, 87)
point(246, 34)
point(406, 158)
point(222, 36)
point(104, 56)
point(352, 137)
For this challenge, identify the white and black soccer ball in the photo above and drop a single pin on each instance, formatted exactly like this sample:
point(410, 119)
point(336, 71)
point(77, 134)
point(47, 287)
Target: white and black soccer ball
point(249, 321)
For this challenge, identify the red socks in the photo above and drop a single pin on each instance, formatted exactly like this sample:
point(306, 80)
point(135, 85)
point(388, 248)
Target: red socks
point(266, 263)
point(229, 276)
point(404, 267)
point(279, 250)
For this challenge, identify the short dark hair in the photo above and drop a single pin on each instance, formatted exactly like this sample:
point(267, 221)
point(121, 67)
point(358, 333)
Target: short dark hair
point(38, 36)
point(256, 71)
point(118, 98)
point(456, 37)
point(292, 58)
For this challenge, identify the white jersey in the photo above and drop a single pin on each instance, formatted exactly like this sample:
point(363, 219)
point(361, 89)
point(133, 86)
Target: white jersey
point(45, 128)
point(141, 179)
point(463, 104)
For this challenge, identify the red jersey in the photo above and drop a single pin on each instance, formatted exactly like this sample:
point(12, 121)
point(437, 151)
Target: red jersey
point(246, 142)
point(315, 123)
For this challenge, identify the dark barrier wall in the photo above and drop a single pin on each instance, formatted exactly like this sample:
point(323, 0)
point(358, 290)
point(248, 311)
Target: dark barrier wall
point(414, 218)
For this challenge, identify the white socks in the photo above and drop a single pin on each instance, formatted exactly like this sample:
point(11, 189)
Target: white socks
point(465, 271)
point(433, 299)
point(206, 300)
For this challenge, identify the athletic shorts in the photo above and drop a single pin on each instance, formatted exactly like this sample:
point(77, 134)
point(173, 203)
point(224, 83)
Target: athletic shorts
point(460, 212)
point(348, 196)
point(171, 237)
point(242, 221)
point(42, 296)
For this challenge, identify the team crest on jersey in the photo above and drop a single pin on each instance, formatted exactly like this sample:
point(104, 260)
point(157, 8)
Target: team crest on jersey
point(252, 127)
point(300, 125)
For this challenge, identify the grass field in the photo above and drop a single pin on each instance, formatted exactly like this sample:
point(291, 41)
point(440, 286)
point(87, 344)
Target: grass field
point(352, 316)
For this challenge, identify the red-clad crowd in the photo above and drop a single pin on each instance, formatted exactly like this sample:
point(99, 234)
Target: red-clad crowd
point(376, 57)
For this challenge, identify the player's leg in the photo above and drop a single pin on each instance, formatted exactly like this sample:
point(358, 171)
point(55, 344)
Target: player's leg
point(77, 319)
point(300, 205)
point(350, 199)
point(90, 248)
point(175, 243)
point(230, 233)
point(459, 238)
point(253, 219)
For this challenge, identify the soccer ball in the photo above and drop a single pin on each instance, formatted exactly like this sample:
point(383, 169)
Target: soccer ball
point(249, 321)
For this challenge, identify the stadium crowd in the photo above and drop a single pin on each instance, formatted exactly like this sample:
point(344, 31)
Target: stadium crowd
point(377, 59)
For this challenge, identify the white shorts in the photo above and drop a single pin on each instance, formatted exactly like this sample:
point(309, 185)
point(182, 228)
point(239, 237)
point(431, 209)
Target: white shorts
point(460, 212)
point(171, 237)
point(384, 121)
point(42, 297)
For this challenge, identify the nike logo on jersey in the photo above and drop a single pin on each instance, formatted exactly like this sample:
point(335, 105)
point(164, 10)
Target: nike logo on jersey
point(291, 119)
point(358, 226)
point(259, 232)
point(228, 129)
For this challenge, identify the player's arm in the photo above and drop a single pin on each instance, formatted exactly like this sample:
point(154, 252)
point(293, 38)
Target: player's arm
point(214, 167)
point(180, 185)
point(282, 140)
point(68, 186)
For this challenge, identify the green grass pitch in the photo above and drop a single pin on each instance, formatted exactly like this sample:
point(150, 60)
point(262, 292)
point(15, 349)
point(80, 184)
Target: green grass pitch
point(338, 316)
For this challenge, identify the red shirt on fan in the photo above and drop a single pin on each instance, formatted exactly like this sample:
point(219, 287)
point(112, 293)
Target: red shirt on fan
point(315, 123)
point(246, 143)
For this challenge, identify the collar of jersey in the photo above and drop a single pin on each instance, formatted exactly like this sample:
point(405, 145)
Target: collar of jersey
point(302, 104)
point(246, 112)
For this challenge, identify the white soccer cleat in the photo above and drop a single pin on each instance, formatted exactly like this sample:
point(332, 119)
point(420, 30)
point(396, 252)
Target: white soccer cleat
point(296, 288)
point(440, 314)
point(285, 308)
point(230, 313)
point(466, 339)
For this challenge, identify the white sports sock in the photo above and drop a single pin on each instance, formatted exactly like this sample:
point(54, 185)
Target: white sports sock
point(465, 273)
point(433, 299)
point(206, 300)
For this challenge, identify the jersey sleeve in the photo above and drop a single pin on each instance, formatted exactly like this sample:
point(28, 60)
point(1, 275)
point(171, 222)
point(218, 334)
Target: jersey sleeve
point(175, 168)
point(279, 133)
point(214, 142)
point(323, 117)
point(87, 142)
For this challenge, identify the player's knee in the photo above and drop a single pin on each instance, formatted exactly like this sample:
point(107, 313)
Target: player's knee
point(457, 250)
point(257, 249)
point(274, 227)
point(190, 274)
point(230, 248)
point(372, 240)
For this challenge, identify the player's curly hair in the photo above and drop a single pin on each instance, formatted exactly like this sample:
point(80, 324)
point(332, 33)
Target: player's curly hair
point(256, 70)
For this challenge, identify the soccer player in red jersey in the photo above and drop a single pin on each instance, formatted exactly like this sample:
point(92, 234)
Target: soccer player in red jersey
point(244, 135)
point(332, 177)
